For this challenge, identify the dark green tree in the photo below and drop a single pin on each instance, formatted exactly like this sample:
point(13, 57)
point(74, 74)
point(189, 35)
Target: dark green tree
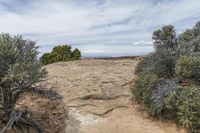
point(76, 54)
point(60, 53)
point(44, 59)
point(63, 50)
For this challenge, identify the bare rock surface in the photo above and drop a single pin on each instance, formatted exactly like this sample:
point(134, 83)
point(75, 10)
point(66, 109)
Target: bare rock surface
point(98, 96)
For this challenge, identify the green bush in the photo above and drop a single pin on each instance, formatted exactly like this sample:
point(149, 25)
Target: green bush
point(189, 108)
point(164, 63)
point(76, 54)
point(44, 59)
point(188, 67)
point(144, 85)
point(60, 53)
point(186, 105)
point(146, 62)
point(151, 91)
point(64, 51)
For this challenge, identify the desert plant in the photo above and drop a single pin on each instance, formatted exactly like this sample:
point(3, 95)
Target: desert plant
point(186, 104)
point(63, 50)
point(76, 54)
point(44, 59)
point(19, 71)
point(164, 58)
point(60, 53)
point(144, 85)
point(189, 48)
point(168, 79)
point(189, 41)
point(165, 38)
point(146, 62)
point(188, 67)
point(160, 92)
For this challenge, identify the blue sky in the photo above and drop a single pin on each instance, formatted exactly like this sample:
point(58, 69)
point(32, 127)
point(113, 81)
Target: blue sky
point(96, 27)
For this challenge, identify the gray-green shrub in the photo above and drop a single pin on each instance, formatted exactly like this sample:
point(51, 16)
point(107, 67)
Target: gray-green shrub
point(185, 103)
point(20, 70)
point(165, 77)
point(160, 92)
point(143, 86)
point(188, 67)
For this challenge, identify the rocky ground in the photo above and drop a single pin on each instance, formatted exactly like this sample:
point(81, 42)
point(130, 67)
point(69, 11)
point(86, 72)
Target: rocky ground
point(98, 97)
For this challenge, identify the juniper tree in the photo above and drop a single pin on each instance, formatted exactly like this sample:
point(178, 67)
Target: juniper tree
point(60, 53)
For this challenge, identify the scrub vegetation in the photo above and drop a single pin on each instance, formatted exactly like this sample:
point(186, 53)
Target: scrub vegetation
point(60, 53)
point(20, 74)
point(168, 83)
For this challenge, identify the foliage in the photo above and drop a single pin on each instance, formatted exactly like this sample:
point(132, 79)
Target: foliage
point(164, 58)
point(64, 51)
point(186, 103)
point(159, 93)
point(189, 41)
point(188, 67)
point(163, 77)
point(60, 53)
point(189, 108)
point(143, 86)
point(76, 54)
point(146, 62)
point(165, 38)
point(19, 71)
point(164, 63)
point(44, 58)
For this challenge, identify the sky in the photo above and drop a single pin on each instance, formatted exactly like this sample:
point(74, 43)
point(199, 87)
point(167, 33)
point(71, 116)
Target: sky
point(97, 27)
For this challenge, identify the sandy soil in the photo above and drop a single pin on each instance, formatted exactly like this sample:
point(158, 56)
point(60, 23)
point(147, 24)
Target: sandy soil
point(49, 114)
point(97, 94)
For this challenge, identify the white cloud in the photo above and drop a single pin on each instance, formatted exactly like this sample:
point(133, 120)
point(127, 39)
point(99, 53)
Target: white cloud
point(143, 43)
point(112, 22)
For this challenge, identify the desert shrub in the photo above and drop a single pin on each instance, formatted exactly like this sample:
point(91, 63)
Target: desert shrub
point(145, 63)
point(143, 86)
point(188, 67)
point(164, 58)
point(76, 54)
point(151, 91)
point(189, 42)
point(186, 104)
point(189, 108)
point(165, 77)
point(151, 88)
point(160, 92)
point(165, 38)
point(191, 48)
point(63, 50)
point(19, 72)
point(186, 36)
point(164, 63)
point(44, 59)
point(54, 57)
point(196, 29)
point(60, 53)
